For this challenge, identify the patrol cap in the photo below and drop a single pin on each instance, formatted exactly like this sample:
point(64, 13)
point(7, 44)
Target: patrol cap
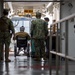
point(46, 18)
point(38, 14)
point(5, 11)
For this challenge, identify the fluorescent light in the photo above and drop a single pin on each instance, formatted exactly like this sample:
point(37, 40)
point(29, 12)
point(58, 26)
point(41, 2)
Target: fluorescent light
point(10, 6)
point(50, 3)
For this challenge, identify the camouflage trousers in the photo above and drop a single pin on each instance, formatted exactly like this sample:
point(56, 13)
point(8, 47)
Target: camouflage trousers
point(4, 43)
point(39, 48)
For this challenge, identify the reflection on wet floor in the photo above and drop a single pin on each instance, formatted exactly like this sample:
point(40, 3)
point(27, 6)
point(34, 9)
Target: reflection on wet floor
point(23, 65)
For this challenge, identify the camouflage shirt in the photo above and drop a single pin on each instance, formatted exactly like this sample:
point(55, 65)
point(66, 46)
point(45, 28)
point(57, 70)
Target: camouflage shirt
point(6, 31)
point(8, 22)
point(39, 29)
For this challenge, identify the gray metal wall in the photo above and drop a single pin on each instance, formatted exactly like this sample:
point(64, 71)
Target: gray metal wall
point(68, 8)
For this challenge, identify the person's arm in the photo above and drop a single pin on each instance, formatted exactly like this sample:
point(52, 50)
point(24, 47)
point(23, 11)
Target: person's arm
point(15, 35)
point(11, 27)
point(32, 28)
point(46, 28)
point(28, 36)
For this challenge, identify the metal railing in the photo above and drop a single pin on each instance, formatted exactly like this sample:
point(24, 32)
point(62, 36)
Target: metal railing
point(57, 53)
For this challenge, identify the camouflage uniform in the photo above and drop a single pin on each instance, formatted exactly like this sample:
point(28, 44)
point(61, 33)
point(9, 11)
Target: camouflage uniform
point(39, 32)
point(5, 37)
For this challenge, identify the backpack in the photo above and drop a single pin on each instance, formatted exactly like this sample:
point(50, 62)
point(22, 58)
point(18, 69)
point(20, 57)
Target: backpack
point(4, 26)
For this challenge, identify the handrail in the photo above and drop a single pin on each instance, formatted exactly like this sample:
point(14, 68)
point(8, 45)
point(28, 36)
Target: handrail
point(62, 55)
point(65, 55)
point(64, 19)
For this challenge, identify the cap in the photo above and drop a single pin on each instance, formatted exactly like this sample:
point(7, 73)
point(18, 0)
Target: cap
point(38, 14)
point(46, 18)
point(5, 11)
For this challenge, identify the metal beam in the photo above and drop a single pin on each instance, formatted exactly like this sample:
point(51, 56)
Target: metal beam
point(32, 1)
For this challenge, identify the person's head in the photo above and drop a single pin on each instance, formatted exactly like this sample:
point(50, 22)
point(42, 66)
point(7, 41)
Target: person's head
point(22, 28)
point(5, 11)
point(38, 15)
point(46, 19)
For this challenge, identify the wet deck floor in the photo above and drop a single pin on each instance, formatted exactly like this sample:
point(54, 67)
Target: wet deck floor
point(21, 65)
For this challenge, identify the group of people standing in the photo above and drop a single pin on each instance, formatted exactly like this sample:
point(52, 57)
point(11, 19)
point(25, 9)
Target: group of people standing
point(38, 32)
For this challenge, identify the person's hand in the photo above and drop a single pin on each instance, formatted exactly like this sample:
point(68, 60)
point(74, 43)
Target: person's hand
point(13, 37)
point(10, 35)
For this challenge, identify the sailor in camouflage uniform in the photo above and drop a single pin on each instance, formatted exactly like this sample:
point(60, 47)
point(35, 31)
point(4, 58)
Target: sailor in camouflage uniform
point(39, 32)
point(6, 26)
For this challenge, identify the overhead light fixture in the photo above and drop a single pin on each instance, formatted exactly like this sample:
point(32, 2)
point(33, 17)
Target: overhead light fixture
point(10, 6)
point(50, 3)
